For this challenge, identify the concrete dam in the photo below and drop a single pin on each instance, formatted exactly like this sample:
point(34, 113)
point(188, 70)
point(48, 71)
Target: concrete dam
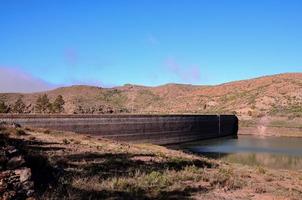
point(156, 129)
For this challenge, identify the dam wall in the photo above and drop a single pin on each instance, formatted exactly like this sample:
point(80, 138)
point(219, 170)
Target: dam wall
point(156, 129)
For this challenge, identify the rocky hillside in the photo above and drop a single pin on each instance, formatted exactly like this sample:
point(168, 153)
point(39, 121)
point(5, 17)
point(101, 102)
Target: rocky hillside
point(270, 95)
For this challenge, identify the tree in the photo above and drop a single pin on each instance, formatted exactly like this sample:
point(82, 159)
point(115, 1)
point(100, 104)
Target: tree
point(57, 105)
point(19, 106)
point(43, 105)
point(3, 107)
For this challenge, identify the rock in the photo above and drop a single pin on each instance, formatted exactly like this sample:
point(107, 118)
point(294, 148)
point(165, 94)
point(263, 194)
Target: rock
point(15, 125)
point(16, 184)
point(15, 162)
point(24, 174)
point(9, 195)
point(3, 186)
point(4, 174)
point(9, 125)
point(28, 185)
point(15, 181)
point(30, 193)
point(11, 150)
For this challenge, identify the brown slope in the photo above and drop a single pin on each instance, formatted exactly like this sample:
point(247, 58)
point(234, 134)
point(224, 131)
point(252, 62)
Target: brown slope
point(277, 94)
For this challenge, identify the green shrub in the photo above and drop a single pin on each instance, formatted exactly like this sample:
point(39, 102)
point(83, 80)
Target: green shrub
point(3, 107)
point(57, 106)
point(43, 105)
point(19, 106)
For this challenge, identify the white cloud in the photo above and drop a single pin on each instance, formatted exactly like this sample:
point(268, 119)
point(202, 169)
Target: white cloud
point(15, 80)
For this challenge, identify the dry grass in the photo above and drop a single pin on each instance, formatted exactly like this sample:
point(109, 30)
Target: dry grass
point(89, 168)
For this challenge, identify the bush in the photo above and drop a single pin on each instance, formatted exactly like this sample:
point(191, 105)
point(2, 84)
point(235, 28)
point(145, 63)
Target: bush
point(19, 106)
point(3, 107)
point(261, 170)
point(43, 105)
point(65, 141)
point(57, 106)
point(20, 132)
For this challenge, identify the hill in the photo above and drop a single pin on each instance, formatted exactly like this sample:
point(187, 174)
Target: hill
point(269, 95)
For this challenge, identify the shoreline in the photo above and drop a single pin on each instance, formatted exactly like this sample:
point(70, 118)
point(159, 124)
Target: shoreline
point(263, 136)
point(271, 131)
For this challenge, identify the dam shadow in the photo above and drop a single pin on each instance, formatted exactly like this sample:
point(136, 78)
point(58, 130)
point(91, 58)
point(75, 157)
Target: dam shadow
point(63, 169)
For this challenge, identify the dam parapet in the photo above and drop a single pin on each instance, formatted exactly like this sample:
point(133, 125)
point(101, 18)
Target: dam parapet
point(156, 129)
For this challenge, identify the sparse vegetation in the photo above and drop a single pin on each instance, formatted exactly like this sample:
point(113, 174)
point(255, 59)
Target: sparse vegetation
point(91, 168)
point(43, 105)
point(146, 98)
point(3, 107)
point(57, 106)
point(114, 98)
point(262, 95)
point(293, 109)
point(261, 170)
point(20, 132)
point(19, 106)
point(65, 141)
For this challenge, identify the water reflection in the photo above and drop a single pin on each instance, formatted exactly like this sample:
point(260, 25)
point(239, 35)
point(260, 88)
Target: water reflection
point(273, 152)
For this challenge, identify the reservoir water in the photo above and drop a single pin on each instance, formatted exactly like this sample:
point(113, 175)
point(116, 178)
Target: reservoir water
point(272, 152)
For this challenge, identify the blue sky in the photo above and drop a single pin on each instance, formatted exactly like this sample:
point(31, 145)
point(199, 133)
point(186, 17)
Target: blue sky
point(148, 42)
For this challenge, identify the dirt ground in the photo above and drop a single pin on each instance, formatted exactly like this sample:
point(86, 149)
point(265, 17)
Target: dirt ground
point(74, 166)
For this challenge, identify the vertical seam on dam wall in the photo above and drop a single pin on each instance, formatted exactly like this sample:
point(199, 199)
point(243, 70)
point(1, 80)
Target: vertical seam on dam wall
point(158, 129)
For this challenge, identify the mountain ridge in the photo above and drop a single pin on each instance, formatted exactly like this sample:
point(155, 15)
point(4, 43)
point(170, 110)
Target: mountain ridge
point(279, 94)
